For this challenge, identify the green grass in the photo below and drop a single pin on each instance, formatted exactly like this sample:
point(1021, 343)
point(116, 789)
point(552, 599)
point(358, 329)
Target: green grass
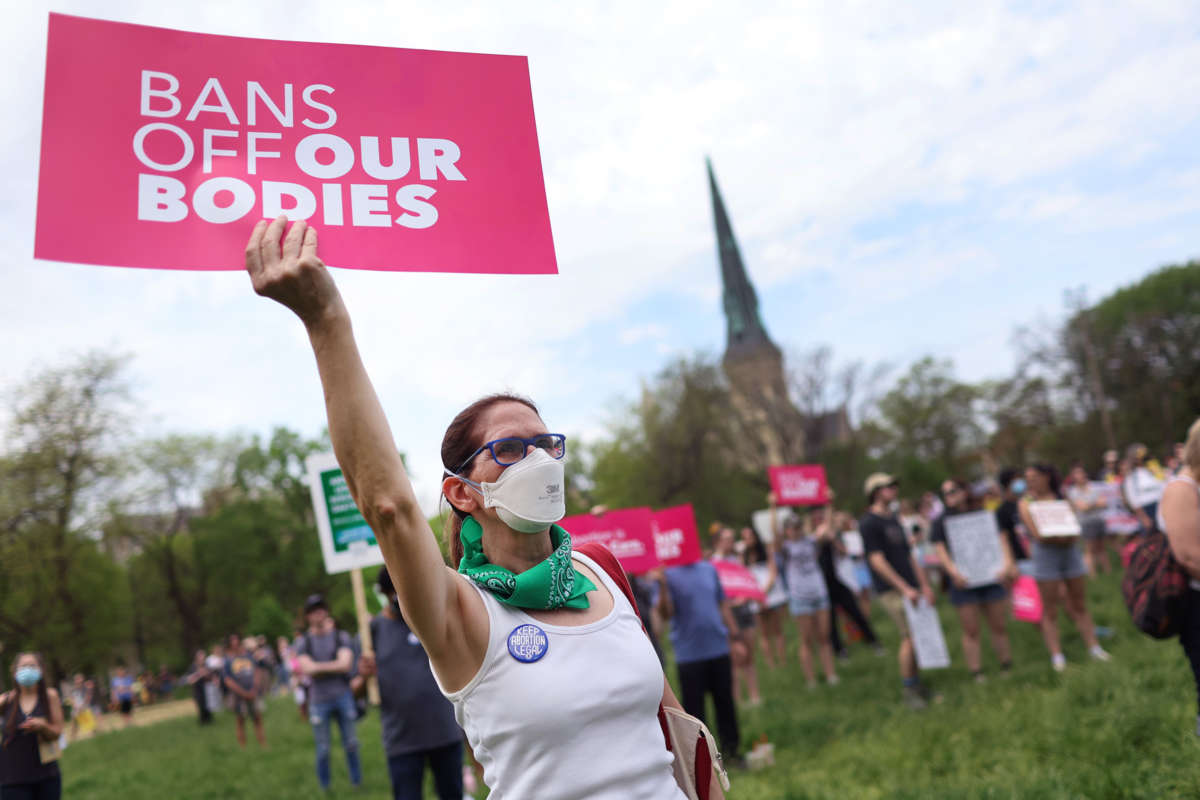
point(1118, 730)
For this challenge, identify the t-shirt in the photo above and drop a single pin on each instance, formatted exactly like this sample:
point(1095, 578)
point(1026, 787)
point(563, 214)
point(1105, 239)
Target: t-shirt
point(1085, 496)
point(697, 631)
point(122, 687)
point(325, 688)
point(241, 669)
point(414, 713)
point(1142, 488)
point(884, 535)
point(801, 569)
point(1008, 520)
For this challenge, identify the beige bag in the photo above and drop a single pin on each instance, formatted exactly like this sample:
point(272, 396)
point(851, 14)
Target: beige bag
point(49, 751)
point(687, 733)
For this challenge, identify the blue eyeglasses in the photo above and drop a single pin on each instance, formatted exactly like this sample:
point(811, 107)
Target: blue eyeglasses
point(511, 449)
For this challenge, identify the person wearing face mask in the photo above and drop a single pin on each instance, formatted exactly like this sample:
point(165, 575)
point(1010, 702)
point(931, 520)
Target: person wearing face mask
point(32, 721)
point(418, 722)
point(1008, 518)
point(534, 643)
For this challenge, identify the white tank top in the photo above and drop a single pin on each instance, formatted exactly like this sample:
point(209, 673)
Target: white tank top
point(579, 722)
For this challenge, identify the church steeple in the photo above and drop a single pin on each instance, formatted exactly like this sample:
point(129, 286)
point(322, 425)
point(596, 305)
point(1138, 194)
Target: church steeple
point(746, 336)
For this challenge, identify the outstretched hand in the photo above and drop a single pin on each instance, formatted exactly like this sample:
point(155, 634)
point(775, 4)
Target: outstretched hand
point(292, 273)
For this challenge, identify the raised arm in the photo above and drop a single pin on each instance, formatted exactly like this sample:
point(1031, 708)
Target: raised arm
point(293, 275)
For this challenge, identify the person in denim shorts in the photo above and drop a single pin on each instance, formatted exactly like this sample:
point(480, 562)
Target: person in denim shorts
point(808, 597)
point(969, 601)
point(1059, 570)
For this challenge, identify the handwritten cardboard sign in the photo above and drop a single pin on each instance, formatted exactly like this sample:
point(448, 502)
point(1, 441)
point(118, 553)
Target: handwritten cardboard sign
point(161, 148)
point(928, 640)
point(1055, 518)
point(799, 484)
point(974, 541)
point(737, 581)
point(676, 537)
point(626, 533)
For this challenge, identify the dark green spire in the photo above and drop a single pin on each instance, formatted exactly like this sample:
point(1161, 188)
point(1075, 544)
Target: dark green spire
point(746, 334)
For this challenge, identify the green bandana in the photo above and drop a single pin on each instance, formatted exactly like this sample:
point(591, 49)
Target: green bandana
point(554, 583)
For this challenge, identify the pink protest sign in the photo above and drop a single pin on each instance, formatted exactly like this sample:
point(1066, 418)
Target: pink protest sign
point(162, 148)
point(738, 582)
point(676, 538)
point(799, 485)
point(626, 533)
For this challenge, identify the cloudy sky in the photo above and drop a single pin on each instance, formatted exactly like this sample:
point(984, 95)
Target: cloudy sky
point(904, 179)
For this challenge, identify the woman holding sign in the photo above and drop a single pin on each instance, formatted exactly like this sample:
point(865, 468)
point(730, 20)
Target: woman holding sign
point(808, 597)
point(536, 646)
point(969, 600)
point(1058, 568)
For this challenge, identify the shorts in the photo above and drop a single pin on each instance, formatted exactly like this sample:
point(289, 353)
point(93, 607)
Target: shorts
point(802, 606)
point(893, 604)
point(126, 706)
point(745, 615)
point(1057, 562)
point(977, 595)
point(243, 707)
point(863, 573)
point(1093, 527)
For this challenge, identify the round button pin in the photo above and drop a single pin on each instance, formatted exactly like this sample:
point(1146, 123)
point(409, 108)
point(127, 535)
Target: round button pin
point(528, 643)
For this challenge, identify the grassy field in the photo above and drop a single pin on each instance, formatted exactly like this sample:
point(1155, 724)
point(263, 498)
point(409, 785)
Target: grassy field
point(1118, 730)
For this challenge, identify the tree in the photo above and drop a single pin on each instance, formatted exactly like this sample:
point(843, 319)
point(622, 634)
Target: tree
point(1144, 340)
point(931, 423)
point(681, 443)
point(62, 455)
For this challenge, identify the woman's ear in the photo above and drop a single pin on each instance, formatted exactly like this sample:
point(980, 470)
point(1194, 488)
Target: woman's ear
point(461, 496)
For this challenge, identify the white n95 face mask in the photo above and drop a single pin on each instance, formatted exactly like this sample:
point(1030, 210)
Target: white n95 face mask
point(529, 495)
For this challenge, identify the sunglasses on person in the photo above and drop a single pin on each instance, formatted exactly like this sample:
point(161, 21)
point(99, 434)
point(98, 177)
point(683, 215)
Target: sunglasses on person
point(951, 490)
point(511, 449)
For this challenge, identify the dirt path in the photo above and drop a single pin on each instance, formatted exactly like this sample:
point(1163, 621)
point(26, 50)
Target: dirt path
point(142, 715)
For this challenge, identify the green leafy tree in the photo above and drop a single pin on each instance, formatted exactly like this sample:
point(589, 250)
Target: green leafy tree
point(58, 593)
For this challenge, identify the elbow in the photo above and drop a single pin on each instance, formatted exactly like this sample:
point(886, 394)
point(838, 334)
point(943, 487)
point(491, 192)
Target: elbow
point(385, 511)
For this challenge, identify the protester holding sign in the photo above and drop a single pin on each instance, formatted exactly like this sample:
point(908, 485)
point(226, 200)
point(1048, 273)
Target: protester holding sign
point(808, 597)
point(770, 615)
point(544, 659)
point(745, 616)
point(896, 575)
point(970, 599)
point(1179, 518)
point(1059, 570)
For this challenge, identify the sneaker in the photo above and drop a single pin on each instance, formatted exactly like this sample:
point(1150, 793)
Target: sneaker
point(812, 685)
point(1098, 653)
point(980, 677)
point(913, 698)
point(1006, 669)
point(833, 680)
point(1059, 662)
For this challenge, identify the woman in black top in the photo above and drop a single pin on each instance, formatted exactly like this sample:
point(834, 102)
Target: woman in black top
point(33, 716)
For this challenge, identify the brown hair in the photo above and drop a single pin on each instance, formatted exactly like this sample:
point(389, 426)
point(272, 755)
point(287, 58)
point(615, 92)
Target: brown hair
point(10, 721)
point(459, 442)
